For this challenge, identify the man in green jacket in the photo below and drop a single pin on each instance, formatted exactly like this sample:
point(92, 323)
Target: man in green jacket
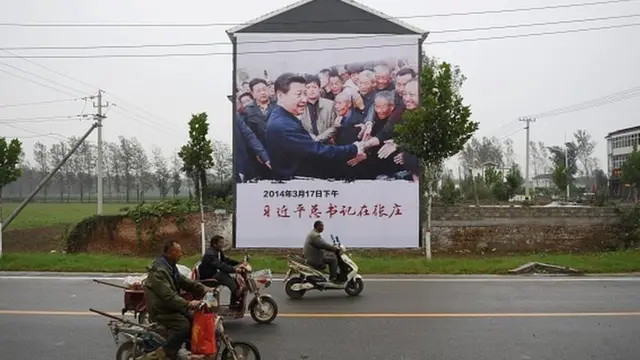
point(164, 303)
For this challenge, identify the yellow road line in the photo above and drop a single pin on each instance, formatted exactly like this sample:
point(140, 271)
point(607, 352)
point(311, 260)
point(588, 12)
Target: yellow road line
point(362, 315)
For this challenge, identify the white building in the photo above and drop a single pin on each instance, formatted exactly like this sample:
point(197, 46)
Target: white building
point(619, 145)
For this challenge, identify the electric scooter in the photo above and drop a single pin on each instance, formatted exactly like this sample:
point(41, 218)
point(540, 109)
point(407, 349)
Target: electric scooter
point(309, 278)
point(262, 308)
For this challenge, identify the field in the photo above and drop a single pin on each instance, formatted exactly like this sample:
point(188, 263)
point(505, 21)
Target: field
point(38, 215)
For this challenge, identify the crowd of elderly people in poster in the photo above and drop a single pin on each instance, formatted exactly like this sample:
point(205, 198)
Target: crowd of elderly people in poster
point(345, 103)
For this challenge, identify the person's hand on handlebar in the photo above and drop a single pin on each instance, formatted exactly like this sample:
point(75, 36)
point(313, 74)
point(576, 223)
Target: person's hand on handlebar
point(338, 250)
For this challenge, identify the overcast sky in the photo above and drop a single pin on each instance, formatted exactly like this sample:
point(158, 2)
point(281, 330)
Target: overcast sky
point(506, 78)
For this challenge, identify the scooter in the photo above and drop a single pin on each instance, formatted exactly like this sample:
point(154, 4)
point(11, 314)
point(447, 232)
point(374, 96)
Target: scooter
point(309, 278)
point(262, 308)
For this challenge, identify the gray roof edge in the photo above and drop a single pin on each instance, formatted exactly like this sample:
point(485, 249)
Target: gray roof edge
point(416, 30)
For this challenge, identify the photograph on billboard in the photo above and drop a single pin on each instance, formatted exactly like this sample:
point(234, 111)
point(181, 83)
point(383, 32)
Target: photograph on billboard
point(313, 139)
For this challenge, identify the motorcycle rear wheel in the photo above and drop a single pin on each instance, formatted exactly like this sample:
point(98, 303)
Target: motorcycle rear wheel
point(245, 350)
point(293, 293)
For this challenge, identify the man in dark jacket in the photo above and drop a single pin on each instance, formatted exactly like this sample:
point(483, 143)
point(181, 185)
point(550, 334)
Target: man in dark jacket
point(215, 265)
point(314, 255)
point(164, 303)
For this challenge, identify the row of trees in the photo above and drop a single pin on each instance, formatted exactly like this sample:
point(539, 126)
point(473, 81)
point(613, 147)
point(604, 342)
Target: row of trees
point(547, 162)
point(130, 173)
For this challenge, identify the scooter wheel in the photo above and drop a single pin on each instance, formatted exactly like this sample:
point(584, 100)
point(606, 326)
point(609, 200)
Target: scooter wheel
point(242, 348)
point(294, 294)
point(354, 287)
point(256, 313)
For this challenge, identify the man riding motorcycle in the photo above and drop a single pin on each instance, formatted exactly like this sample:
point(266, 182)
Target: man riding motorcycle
point(215, 265)
point(164, 303)
point(314, 255)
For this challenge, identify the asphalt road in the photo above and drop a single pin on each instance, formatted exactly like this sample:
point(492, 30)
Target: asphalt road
point(458, 319)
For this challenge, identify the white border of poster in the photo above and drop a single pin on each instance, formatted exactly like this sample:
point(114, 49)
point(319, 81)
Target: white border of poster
point(380, 213)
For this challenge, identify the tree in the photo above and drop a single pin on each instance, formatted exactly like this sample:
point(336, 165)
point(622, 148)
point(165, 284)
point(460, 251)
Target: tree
point(631, 171)
point(513, 181)
point(9, 169)
point(176, 179)
point(161, 172)
point(41, 157)
point(57, 154)
point(223, 163)
point(563, 175)
point(585, 147)
point(478, 152)
point(509, 154)
point(440, 126)
point(197, 154)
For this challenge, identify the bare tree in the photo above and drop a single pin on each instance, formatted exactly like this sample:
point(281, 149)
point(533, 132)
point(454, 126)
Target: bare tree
point(115, 169)
point(222, 159)
point(41, 157)
point(57, 153)
point(75, 167)
point(141, 168)
point(478, 152)
point(176, 177)
point(509, 154)
point(544, 158)
point(585, 148)
point(88, 160)
point(126, 157)
point(162, 174)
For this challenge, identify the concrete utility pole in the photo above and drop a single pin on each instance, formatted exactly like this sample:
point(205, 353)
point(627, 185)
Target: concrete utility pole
point(527, 186)
point(566, 165)
point(47, 178)
point(98, 117)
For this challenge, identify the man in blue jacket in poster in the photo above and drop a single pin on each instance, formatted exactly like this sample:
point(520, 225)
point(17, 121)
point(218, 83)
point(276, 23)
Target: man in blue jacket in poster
point(291, 149)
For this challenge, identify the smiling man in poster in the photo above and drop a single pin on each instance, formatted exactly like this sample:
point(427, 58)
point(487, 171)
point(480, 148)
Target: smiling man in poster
point(360, 186)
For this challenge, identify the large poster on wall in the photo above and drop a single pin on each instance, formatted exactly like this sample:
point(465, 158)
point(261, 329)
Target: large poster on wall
point(313, 139)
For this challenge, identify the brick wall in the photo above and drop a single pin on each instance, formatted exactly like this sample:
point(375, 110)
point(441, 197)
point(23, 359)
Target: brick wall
point(522, 229)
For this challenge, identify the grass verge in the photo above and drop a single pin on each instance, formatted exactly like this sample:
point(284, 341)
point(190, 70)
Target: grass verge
point(610, 262)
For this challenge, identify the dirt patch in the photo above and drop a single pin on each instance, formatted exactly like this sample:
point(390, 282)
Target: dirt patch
point(42, 239)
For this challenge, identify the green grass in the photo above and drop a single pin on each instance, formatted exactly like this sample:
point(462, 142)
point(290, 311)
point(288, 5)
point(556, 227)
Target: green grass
point(36, 215)
point(612, 262)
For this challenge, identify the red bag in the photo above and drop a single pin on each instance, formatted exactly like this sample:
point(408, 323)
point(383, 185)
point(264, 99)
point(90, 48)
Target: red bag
point(203, 334)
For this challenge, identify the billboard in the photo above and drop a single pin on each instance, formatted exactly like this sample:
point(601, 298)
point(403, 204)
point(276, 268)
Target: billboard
point(313, 139)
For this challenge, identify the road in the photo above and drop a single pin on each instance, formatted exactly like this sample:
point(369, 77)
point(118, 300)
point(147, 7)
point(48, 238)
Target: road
point(411, 319)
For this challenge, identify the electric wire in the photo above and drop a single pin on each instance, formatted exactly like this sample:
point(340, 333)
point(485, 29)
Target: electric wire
point(503, 37)
point(350, 20)
point(313, 39)
point(39, 103)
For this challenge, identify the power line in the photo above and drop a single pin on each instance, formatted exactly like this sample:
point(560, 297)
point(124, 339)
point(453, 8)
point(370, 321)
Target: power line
point(38, 83)
point(317, 49)
point(597, 102)
point(41, 119)
point(481, 12)
point(39, 103)
point(40, 77)
point(49, 135)
point(174, 45)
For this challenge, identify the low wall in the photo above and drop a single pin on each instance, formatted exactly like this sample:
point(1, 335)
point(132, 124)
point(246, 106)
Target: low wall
point(455, 230)
point(523, 229)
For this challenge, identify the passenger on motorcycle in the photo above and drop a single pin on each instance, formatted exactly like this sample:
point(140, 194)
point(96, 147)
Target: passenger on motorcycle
point(215, 265)
point(314, 255)
point(164, 303)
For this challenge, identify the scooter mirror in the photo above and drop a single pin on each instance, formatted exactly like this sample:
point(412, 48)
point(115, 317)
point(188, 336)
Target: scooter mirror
point(333, 239)
point(338, 240)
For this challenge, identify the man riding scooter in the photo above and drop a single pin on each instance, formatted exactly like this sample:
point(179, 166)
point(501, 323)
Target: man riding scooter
point(216, 266)
point(164, 303)
point(314, 255)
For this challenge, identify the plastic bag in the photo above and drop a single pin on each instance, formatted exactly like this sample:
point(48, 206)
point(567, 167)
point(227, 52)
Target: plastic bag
point(203, 334)
point(131, 282)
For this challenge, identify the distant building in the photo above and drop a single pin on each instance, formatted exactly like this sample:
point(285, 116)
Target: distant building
point(619, 145)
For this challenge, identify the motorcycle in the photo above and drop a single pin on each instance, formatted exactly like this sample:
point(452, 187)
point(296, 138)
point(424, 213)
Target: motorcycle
point(143, 339)
point(262, 307)
point(310, 278)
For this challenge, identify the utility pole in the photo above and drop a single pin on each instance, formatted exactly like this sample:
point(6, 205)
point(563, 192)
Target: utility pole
point(99, 171)
point(566, 165)
point(527, 186)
